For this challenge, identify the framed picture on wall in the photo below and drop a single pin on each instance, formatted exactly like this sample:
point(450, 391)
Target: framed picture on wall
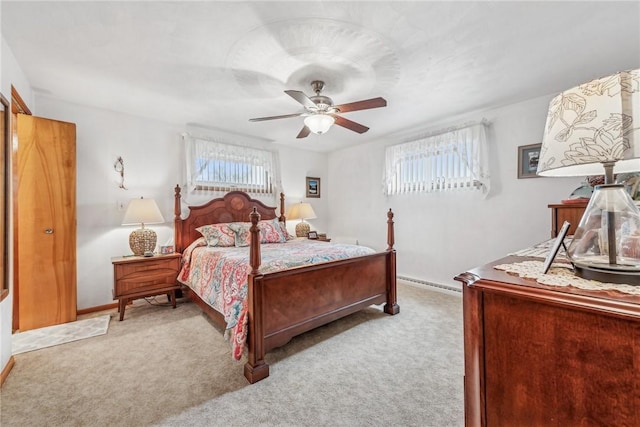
point(528, 156)
point(313, 187)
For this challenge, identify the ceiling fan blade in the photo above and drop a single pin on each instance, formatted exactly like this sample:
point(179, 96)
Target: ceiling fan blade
point(362, 105)
point(301, 98)
point(304, 132)
point(286, 116)
point(351, 125)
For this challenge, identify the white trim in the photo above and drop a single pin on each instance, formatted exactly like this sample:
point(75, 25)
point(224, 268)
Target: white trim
point(449, 289)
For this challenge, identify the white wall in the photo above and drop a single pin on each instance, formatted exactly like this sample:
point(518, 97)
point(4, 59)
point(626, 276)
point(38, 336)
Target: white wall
point(152, 155)
point(10, 74)
point(439, 235)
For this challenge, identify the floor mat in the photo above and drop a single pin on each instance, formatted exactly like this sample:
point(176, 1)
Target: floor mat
point(59, 334)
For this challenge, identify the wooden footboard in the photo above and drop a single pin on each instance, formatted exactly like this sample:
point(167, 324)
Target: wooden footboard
point(287, 303)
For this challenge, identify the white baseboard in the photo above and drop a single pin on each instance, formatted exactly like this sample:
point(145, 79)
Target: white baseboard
point(450, 289)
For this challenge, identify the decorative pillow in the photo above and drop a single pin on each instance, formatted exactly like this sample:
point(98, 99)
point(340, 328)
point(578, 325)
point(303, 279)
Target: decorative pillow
point(285, 232)
point(218, 234)
point(242, 233)
point(270, 232)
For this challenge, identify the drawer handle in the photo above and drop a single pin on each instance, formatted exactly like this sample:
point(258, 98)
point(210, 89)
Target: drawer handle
point(48, 231)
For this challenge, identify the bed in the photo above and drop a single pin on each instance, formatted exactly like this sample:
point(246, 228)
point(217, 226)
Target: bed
point(284, 303)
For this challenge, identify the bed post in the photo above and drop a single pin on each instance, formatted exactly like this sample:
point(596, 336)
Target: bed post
point(390, 234)
point(391, 307)
point(177, 221)
point(254, 246)
point(255, 369)
point(282, 218)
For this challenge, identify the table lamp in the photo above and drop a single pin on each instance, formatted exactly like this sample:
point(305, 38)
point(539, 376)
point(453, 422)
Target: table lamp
point(590, 129)
point(142, 211)
point(301, 211)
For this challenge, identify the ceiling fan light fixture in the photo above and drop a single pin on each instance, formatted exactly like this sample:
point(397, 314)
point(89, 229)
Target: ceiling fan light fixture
point(319, 123)
point(320, 113)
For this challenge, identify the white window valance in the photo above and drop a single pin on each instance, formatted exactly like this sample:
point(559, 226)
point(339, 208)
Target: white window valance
point(451, 160)
point(215, 166)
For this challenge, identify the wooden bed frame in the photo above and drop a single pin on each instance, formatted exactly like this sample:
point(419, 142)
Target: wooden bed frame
point(284, 304)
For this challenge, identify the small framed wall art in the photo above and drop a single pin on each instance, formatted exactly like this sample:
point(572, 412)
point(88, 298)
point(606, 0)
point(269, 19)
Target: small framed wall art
point(313, 187)
point(528, 156)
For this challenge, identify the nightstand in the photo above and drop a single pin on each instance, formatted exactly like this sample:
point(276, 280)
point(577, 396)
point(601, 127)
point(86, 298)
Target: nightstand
point(137, 277)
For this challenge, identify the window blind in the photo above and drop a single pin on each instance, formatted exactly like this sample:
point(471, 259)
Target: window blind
point(216, 166)
point(453, 160)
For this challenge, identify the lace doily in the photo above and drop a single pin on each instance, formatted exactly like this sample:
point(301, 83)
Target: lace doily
point(541, 250)
point(562, 276)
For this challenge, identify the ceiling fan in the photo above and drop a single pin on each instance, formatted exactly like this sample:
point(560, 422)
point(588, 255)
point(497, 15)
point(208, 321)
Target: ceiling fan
point(320, 113)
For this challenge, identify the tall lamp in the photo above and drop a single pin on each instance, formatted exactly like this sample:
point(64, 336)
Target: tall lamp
point(590, 129)
point(301, 211)
point(142, 211)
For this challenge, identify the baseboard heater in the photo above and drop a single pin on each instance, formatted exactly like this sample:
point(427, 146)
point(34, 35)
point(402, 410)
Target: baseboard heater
point(431, 284)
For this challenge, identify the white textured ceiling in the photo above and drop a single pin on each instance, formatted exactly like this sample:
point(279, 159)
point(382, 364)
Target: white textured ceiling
point(216, 64)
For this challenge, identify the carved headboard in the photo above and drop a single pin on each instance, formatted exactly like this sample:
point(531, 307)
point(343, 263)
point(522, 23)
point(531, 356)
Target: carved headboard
point(235, 206)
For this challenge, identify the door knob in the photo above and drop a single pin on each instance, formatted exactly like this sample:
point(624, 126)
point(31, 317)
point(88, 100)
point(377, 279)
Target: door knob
point(48, 231)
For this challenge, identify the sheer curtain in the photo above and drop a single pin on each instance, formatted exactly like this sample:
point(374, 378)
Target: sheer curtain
point(451, 160)
point(215, 166)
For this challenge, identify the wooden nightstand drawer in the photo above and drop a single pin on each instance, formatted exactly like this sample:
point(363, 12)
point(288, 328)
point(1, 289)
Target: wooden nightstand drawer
point(139, 277)
point(136, 277)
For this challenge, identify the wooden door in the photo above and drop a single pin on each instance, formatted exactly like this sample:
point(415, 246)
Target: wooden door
point(46, 255)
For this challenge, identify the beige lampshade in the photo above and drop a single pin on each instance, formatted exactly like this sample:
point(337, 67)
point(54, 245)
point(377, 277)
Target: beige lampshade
point(142, 211)
point(301, 211)
point(592, 123)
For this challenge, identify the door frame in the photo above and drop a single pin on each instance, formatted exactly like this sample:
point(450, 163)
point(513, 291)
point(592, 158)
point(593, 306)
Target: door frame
point(5, 180)
point(18, 106)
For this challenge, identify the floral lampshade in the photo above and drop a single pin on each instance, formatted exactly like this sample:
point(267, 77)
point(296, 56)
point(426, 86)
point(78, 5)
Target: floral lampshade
point(593, 123)
point(591, 129)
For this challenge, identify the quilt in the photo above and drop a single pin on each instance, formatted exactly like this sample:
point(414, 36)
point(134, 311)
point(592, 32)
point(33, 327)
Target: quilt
point(219, 275)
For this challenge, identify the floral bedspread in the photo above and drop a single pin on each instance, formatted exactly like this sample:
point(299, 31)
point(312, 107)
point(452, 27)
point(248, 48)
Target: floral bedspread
point(219, 275)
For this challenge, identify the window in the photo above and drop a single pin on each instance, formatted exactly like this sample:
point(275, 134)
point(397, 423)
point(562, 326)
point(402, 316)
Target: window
point(217, 166)
point(452, 160)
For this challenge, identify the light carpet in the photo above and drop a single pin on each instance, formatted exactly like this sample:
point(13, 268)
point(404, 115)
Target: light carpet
point(49, 336)
point(165, 367)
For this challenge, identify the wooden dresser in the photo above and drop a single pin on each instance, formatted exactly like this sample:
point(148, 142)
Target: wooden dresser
point(561, 212)
point(537, 355)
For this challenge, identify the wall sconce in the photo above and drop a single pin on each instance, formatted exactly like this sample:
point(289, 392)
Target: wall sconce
point(118, 166)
